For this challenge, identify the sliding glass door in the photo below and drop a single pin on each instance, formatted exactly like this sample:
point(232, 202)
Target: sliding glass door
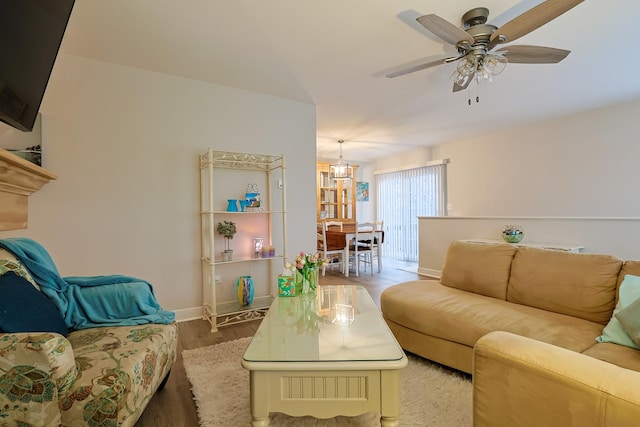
point(402, 197)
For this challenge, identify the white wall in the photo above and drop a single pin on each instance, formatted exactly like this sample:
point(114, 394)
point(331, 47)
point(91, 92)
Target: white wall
point(416, 157)
point(584, 165)
point(12, 138)
point(613, 236)
point(569, 180)
point(367, 211)
point(125, 144)
point(580, 169)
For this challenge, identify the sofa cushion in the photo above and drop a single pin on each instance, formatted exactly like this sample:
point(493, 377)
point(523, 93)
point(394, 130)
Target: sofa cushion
point(482, 268)
point(576, 284)
point(463, 317)
point(35, 369)
point(8, 262)
point(626, 357)
point(23, 308)
point(120, 368)
point(629, 318)
point(629, 267)
point(614, 331)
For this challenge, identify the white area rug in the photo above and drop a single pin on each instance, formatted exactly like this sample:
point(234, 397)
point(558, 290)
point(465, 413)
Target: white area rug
point(431, 395)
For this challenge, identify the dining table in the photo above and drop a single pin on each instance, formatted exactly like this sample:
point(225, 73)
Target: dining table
point(343, 238)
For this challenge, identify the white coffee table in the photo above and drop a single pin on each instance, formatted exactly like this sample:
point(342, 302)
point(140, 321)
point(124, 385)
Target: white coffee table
point(308, 358)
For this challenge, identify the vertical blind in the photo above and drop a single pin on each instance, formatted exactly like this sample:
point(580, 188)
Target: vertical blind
point(403, 196)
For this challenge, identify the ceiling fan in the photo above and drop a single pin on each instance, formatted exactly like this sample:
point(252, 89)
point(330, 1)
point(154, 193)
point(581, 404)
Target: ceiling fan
point(476, 40)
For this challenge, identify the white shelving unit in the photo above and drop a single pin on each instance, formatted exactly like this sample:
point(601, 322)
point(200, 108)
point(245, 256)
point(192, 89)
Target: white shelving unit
point(224, 176)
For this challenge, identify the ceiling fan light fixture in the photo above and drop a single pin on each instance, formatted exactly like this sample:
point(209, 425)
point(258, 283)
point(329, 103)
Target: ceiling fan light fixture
point(476, 38)
point(465, 70)
point(482, 67)
point(492, 64)
point(468, 65)
point(341, 170)
point(461, 79)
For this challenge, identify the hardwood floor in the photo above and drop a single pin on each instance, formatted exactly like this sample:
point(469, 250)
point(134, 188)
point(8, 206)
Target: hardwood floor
point(174, 406)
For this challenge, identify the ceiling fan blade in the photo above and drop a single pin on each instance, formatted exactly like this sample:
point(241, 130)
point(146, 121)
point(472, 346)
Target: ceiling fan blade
point(418, 67)
point(524, 54)
point(532, 19)
point(444, 29)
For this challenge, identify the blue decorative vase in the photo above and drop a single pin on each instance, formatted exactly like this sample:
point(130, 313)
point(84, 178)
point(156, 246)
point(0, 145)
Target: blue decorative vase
point(232, 205)
point(244, 290)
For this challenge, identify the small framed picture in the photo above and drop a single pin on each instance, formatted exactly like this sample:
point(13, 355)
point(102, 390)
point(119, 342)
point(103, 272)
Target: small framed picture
point(362, 191)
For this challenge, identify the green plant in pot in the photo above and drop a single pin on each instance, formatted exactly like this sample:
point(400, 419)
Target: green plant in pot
point(228, 230)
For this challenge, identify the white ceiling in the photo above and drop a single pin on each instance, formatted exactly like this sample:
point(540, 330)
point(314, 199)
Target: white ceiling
point(335, 54)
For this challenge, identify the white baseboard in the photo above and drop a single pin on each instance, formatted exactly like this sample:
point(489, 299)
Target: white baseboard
point(429, 272)
point(186, 314)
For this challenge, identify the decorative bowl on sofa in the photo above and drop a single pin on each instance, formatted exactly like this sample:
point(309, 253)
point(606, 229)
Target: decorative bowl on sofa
point(512, 234)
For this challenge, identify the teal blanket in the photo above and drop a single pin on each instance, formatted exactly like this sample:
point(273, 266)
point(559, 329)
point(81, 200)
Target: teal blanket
point(87, 302)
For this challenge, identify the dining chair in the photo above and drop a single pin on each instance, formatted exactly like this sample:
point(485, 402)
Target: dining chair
point(377, 243)
point(330, 224)
point(362, 248)
point(334, 254)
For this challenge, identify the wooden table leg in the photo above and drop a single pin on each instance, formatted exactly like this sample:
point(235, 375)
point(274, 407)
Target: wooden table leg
point(390, 398)
point(259, 395)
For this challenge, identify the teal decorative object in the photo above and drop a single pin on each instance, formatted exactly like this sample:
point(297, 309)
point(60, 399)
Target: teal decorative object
point(512, 234)
point(244, 290)
point(232, 205)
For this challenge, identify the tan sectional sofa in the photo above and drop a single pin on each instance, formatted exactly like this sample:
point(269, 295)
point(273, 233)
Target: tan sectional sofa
point(549, 306)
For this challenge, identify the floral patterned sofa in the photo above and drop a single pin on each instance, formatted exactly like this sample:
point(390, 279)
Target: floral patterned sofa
point(99, 376)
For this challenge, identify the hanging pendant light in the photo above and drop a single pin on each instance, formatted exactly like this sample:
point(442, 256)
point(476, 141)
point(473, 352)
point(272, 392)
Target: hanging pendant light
point(341, 170)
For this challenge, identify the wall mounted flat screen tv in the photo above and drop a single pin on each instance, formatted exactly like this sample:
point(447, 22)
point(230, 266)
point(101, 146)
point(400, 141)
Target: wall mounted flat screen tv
point(30, 35)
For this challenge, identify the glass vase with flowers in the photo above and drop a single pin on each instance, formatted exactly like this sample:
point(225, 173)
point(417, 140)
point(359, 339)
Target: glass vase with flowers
point(306, 268)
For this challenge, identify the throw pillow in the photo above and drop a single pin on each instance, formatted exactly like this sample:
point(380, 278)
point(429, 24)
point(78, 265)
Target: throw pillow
point(8, 262)
point(614, 332)
point(25, 309)
point(629, 318)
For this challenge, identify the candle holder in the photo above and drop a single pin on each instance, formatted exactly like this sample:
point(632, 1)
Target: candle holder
point(258, 243)
point(342, 314)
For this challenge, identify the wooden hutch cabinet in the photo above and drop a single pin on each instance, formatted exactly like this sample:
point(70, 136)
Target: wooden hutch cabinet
point(336, 199)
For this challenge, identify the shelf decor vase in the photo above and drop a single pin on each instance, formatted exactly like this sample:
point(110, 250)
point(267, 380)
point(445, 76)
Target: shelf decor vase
point(306, 281)
point(244, 290)
point(227, 255)
point(232, 205)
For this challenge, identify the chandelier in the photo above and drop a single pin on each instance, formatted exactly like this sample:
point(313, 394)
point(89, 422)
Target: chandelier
point(341, 170)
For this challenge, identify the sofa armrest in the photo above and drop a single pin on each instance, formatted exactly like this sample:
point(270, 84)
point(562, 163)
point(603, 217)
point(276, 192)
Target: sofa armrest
point(35, 369)
point(518, 381)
